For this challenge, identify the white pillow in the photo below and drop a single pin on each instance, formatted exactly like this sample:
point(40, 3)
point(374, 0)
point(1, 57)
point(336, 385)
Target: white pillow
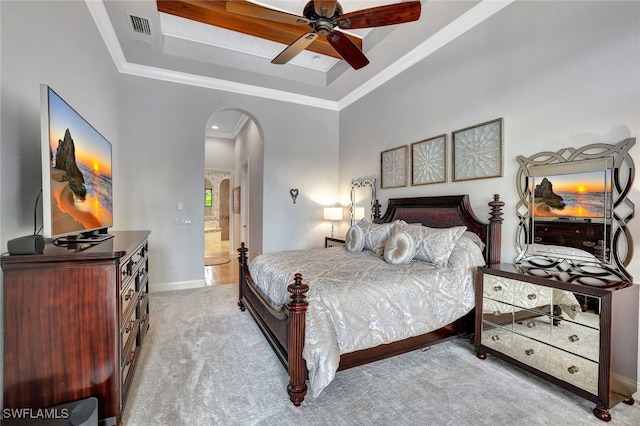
point(434, 245)
point(354, 240)
point(399, 248)
point(376, 237)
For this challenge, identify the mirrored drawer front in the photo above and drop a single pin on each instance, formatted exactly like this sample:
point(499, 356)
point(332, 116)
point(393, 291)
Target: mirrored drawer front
point(572, 337)
point(517, 293)
point(571, 368)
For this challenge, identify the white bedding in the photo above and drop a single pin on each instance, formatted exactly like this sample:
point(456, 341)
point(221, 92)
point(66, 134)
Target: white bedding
point(358, 301)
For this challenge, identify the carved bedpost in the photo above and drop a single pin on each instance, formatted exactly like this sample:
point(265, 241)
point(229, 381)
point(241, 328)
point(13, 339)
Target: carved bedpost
point(297, 387)
point(495, 230)
point(242, 275)
point(376, 212)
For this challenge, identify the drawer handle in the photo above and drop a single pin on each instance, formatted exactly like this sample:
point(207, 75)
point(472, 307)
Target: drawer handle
point(574, 338)
point(497, 288)
point(495, 338)
point(143, 294)
point(130, 358)
point(129, 326)
point(497, 313)
point(529, 352)
point(129, 294)
point(531, 324)
point(532, 296)
point(573, 369)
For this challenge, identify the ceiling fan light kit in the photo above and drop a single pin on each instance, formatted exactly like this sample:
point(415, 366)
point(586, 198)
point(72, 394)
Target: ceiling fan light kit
point(323, 16)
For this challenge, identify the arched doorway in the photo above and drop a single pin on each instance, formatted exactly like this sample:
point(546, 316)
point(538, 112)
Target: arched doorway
point(233, 141)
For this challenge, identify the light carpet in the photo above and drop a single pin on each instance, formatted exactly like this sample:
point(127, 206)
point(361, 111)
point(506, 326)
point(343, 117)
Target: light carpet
point(206, 363)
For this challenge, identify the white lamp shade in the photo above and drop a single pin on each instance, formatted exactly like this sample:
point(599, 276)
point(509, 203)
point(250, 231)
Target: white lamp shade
point(333, 213)
point(358, 213)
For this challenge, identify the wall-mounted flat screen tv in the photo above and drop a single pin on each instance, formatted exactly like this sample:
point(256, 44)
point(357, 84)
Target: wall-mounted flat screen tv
point(77, 190)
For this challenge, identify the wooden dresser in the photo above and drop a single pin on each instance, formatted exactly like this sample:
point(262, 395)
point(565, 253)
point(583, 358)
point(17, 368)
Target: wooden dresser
point(591, 351)
point(74, 321)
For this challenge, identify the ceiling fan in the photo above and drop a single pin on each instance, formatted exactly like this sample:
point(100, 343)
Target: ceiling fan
point(323, 16)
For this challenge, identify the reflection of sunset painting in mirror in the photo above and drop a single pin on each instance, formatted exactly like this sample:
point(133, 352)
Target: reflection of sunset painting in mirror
point(585, 195)
point(578, 182)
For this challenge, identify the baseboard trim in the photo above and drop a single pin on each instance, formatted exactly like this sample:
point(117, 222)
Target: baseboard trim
point(180, 285)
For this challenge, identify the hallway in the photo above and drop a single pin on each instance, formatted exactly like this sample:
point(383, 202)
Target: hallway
point(226, 273)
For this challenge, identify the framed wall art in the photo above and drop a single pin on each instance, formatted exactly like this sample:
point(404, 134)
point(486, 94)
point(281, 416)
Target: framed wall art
point(429, 161)
point(477, 151)
point(393, 167)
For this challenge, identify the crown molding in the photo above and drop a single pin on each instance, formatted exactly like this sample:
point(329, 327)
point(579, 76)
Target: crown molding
point(474, 16)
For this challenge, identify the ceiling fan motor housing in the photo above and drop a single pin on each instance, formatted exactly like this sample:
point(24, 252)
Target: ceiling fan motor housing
point(320, 24)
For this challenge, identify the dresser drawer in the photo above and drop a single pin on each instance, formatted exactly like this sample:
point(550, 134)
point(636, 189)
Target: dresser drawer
point(128, 301)
point(128, 333)
point(575, 370)
point(577, 339)
point(517, 293)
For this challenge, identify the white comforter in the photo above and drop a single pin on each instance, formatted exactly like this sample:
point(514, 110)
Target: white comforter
point(358, 301)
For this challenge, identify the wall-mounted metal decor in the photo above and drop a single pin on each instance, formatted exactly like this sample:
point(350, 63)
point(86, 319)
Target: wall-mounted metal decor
point(293, 192)
point(429, 161)
point(573, 212)
point(393, 167)
point(477, 151)
point(366, 186)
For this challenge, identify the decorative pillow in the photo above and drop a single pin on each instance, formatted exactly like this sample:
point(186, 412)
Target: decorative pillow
point(376, 237)
point(475, 238)
point(466, 253)
point(399, 248)
point(434, 245)
point(354, 240)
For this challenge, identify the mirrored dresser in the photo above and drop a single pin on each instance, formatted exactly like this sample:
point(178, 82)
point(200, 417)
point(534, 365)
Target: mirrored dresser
point(578, 332)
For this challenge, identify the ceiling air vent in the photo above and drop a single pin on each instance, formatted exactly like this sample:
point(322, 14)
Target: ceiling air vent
point(140, 25)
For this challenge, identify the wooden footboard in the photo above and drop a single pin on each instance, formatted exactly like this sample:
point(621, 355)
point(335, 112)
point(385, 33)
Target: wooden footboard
point(284, 328)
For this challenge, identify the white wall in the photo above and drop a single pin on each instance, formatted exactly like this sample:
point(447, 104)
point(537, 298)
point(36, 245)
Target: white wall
point(157, 129)
point(218, 153)
point(561, 74)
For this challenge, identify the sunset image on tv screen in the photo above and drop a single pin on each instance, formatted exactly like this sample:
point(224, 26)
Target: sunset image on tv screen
point(81, 176)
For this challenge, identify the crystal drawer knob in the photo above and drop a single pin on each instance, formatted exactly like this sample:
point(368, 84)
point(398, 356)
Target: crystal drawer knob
point(574, 338)
point(495, 338)
point(532, 296)
point(529, 352)
point(497, 288)
point(573, 369)
point(531, 324)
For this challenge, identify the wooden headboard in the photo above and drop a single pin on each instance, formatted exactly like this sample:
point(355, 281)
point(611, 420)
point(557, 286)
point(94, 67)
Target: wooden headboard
point(445, 212)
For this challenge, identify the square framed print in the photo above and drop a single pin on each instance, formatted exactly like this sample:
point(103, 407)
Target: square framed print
point(429, 161)
point(477, 151)
point(393, 167)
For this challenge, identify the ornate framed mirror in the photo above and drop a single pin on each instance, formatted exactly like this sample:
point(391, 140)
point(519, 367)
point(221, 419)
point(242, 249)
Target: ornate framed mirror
point(363, 197)
point(573, 212)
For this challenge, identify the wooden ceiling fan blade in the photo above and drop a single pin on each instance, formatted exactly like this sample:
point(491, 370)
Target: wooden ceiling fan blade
point(347, 49)
point(295, 48)
point(380, 16)
point(325, 8)
point(246, 8)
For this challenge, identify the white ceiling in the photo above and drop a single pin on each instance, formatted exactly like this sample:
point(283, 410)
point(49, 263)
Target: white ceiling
point(189, 52)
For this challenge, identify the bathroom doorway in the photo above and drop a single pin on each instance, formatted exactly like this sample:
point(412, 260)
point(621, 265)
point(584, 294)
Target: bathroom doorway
point(217, 186)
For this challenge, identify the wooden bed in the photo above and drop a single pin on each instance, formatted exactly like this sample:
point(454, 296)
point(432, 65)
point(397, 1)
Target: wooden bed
point(285, 328)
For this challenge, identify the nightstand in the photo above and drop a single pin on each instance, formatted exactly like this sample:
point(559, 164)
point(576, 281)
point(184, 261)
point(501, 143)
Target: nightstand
point(333, 241)
point(525, 320)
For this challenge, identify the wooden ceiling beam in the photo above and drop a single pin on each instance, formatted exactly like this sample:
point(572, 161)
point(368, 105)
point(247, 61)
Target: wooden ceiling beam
point(214, 13)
